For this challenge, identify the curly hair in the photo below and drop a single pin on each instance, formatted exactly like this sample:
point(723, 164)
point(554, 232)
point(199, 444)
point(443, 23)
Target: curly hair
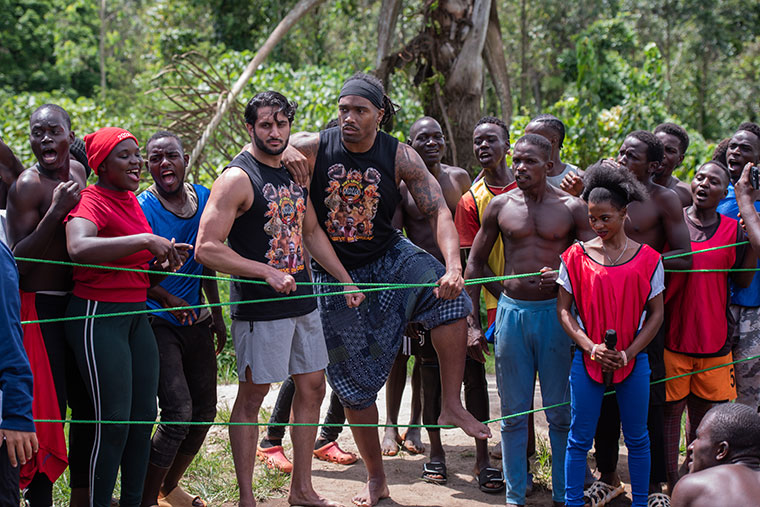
point(269, 99)
point(655, 148)
point(495, 121)
point(719, 154)
point(676, 131)
point(606, 181)
point(748, 126)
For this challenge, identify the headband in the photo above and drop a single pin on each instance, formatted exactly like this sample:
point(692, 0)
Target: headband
point(364, 89)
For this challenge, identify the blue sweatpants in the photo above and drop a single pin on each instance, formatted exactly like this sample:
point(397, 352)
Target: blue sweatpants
point(530, 340)
point(586, 401)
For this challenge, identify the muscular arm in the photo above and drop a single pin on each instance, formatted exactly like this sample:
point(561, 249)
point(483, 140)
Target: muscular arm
point(29, 235)
point(676, 233)
point(300, 155)
point(428, 197)
point(477, 262)
point(231, 196)
point(321, 249)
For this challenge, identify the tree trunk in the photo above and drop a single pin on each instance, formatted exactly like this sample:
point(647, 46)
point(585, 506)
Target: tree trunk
point(102, 50)
point(523, 55)
point(496, 62)
point(386, 26)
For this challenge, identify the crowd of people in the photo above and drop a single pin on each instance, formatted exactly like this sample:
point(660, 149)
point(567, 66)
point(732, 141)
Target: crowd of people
point(614, 278)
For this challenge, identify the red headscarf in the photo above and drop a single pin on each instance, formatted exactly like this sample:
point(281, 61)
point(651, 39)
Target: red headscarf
point(100, 143)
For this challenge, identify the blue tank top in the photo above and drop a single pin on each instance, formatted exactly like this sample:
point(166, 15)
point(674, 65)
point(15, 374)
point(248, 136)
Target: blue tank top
point(184, 230)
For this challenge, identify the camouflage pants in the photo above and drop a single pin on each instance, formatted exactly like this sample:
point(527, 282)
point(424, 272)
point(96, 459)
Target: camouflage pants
point(747, 344)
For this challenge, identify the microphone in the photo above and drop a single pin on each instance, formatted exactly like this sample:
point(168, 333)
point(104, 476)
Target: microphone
point(610, 341)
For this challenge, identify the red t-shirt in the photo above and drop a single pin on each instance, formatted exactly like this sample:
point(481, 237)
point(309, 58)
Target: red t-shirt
point(115, 214)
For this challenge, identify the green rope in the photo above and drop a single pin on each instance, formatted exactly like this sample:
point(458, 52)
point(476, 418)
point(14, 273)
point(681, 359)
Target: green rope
point(369, 425)
point(685, 254)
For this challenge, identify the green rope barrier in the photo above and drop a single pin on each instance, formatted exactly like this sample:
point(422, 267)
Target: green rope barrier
point(686, 254)
point(369, 425)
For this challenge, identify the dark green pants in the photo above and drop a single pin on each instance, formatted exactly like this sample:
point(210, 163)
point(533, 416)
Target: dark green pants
point(118, 359)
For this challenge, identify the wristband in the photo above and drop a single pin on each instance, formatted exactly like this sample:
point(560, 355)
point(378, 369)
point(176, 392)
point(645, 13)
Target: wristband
point(593, 351)
point(625, 358)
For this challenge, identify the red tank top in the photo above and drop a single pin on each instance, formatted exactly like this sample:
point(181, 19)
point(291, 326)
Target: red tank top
point(695, 303)
point(610, 297)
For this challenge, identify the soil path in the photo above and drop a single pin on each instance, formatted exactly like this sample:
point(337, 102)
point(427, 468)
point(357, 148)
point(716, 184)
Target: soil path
point(340, 483)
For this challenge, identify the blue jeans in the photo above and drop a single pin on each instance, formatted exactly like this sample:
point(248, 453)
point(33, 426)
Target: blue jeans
point(530, 339)
point(586, 401)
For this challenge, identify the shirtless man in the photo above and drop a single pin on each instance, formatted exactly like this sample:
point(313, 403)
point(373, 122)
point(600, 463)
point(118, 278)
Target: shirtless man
point(364, 342)
point(675, 140)
point(537, 222)
point(553, 130)
point(426, 137)
point(37, 204)
point(724, 460)
point(657, 222)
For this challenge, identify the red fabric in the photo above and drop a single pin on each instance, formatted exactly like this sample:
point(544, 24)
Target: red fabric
point(51, 458)
point(115, 214)
point(100, 143)
point(466, 217)
point(610, 297)
point(695, 303)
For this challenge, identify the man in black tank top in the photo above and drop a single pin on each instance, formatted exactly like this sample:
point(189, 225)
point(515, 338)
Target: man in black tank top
point(355, 171)
point(268, 220)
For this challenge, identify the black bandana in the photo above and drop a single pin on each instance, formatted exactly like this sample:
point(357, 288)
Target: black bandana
point(364, 89)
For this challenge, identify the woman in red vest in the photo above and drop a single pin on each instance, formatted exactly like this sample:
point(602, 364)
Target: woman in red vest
point(696, 305)
point(615, 284)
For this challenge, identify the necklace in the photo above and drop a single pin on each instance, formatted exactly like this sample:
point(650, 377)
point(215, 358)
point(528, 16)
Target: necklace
point(613, 263)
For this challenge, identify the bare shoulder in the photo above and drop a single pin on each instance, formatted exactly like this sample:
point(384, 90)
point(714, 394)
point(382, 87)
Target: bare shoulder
point(666, 198)
point(306, 142)
point(460, 177)
point(232, 189)
point(29, 181)
point(78, 170)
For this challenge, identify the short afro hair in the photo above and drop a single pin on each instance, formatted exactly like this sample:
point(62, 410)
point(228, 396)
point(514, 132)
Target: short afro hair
point(748, 126)
point(495, 121)
point(737, 424)
point(723, 167)
point(161, 134)
point(539, 142)
point(677, 131)
point(655, 149)
point(553, 123)
point(58, 109)
point(269, 99)
point(607, 181)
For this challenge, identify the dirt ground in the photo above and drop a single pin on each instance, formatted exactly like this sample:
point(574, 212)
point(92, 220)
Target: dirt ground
point(340, 483)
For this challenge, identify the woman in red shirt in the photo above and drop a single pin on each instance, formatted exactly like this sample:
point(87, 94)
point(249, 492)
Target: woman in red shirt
point(615, 284)
point(117, 356)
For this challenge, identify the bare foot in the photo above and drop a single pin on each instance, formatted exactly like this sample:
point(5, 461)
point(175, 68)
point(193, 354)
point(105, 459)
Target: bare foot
point(391, 441)
point(463, 419)
point(310, 499)
point(413, 441)
point(373, 492)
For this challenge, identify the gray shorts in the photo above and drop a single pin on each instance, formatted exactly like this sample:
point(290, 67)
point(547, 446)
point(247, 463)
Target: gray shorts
point(275, 349)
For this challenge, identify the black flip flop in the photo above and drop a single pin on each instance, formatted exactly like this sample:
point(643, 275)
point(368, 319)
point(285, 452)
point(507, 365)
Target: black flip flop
point(490, 475)
point(432, 469)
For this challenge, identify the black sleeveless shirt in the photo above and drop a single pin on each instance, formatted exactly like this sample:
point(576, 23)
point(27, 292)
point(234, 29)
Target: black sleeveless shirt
point(270, 232)
point(355, 196)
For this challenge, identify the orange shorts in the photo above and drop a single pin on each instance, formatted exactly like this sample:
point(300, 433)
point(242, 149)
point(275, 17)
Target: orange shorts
point(713, 385)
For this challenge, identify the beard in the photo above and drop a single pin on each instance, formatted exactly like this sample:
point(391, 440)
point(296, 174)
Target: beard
point(266, 149)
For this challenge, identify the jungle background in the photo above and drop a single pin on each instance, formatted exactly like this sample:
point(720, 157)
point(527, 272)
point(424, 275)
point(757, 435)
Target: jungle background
point(604, 67)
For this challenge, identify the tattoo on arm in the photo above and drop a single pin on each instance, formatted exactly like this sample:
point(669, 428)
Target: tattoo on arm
point(423, 187)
